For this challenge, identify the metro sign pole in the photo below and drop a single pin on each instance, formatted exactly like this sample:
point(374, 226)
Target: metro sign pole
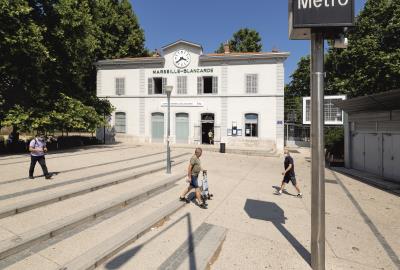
point(316, 20)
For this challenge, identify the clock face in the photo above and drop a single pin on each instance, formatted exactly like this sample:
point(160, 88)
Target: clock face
point(181, 58)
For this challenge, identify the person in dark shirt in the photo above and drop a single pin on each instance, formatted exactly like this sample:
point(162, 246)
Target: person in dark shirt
point(289, 175)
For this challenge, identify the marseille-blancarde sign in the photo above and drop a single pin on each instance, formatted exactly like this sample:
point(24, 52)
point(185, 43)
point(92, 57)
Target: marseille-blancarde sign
point(323, 13)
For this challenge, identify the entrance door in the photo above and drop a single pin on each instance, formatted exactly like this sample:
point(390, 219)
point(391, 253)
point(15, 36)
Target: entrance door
point(391, 156)
point(157, 127)
point(357, 152)
point(182, 127)
point(207, 128)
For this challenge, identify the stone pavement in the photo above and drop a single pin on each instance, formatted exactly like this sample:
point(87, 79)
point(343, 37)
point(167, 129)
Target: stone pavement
point(264, 231)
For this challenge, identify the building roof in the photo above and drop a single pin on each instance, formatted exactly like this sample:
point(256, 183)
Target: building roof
point(243, 55)
point(385, 101)
point(181, 41)
point(131, 61)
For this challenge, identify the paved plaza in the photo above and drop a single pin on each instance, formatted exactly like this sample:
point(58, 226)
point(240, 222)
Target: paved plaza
point(100, 194)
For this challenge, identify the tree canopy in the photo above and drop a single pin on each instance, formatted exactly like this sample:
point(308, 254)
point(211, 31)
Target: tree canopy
point(370, 64)
point(48, 47)
point(244, 40)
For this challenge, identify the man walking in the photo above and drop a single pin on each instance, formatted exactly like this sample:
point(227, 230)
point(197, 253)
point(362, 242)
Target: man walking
point(289, 175)
point(38, 149)
point(194, 170)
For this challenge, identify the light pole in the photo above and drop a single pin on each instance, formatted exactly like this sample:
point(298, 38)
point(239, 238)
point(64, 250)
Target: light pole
point(168, 91)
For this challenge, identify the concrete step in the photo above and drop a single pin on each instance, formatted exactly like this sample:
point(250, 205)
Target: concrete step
point(167, 243)
point(28, 238)
point(13, 191)
point(89, 165)
point(78, 189)
point(198, 251)
point(15, 159)
point(88, 247)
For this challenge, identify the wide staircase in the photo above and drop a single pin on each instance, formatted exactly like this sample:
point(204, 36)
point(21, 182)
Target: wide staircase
point(103, 211)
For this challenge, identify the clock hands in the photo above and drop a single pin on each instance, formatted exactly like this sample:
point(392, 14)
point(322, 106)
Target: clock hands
point(180, 59)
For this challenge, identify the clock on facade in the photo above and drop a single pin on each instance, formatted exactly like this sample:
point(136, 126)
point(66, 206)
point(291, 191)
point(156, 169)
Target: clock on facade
point(181, 58)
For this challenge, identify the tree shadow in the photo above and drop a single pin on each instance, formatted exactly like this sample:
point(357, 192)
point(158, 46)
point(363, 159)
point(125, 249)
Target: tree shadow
point(271, 212)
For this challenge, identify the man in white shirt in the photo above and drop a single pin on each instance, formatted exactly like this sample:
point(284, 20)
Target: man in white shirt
point(38, 149)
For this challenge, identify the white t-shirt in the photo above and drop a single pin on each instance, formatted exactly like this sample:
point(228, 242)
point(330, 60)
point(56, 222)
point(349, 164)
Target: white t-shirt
point(37, 145)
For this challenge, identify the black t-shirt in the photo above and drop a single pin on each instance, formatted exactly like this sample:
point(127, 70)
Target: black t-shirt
point(289, 160)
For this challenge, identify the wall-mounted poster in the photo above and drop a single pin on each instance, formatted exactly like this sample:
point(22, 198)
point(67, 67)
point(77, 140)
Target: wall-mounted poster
point(247, 131)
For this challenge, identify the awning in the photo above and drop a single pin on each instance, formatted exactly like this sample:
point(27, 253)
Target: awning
point(385, 101)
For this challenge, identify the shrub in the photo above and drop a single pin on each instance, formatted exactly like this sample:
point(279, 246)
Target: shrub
point(334, 141)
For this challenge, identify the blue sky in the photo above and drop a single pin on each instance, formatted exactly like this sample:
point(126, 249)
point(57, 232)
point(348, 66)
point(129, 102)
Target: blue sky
point(210, 22)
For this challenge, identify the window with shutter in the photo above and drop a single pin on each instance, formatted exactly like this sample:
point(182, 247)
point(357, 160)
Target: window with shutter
point(119, 86)
point(150, 86)
point(120, 122)
point(199, 85)
point(164, 85)
point(251, 83)
point(215, 85)
point(181, 84)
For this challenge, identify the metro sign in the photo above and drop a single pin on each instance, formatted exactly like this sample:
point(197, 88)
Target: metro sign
point(330, 15)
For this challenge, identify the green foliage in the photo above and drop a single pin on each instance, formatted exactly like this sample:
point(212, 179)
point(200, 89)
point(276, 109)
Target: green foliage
point(334, 140)
point(47, 46)
point(370, 64)
point(68, 115)
point(244, 40)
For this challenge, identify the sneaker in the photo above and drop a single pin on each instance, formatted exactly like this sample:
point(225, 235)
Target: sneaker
point(48, 176)
point(31, 177)
point(184, 199)
point(299, 195)
point(278, 192)
point(203, 206)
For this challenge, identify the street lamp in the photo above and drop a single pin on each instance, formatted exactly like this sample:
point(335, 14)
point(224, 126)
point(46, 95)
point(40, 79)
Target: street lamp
point(168, 91)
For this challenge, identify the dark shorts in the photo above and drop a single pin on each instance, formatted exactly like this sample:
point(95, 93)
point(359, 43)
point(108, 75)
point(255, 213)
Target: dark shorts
point(193, 182)
point(288, 179)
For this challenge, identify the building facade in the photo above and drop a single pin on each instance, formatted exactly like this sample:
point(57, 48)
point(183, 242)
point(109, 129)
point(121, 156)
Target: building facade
point(235, 98)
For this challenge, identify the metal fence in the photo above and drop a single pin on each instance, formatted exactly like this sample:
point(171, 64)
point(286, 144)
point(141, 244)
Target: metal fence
point(297, 135)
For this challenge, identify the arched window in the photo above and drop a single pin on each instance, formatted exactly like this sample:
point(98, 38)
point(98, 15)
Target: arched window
point(120, 122)
point(251, 125)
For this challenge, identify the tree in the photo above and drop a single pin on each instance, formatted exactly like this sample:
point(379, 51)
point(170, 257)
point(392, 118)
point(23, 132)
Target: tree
point(244, 40)
point(372, 61)
point(49, 46)
point(23, 56)
point(298, 87)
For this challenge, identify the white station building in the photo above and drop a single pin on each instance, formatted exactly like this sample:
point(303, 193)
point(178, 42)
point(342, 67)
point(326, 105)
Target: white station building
point(239, 97)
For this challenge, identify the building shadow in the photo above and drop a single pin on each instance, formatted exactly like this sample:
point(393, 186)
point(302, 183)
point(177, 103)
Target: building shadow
point(271, 212)
point(120, 260)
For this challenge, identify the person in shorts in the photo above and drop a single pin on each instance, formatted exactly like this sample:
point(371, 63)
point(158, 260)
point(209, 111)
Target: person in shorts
point(289, 175)
point(194, 170)
point(38, 149)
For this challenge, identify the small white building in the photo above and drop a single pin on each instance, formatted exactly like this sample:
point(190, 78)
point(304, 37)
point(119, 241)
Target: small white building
point(372, 134)
point(237, 98)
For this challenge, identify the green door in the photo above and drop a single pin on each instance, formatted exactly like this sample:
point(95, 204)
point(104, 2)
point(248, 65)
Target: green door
point(157, 127)
point(182, 127)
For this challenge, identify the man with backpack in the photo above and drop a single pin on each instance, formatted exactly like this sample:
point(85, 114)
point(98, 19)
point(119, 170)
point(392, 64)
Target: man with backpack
point(38, 149)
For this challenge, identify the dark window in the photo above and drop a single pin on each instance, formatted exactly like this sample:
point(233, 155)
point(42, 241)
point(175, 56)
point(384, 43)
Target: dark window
point(158, 85)
point(207, 85)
